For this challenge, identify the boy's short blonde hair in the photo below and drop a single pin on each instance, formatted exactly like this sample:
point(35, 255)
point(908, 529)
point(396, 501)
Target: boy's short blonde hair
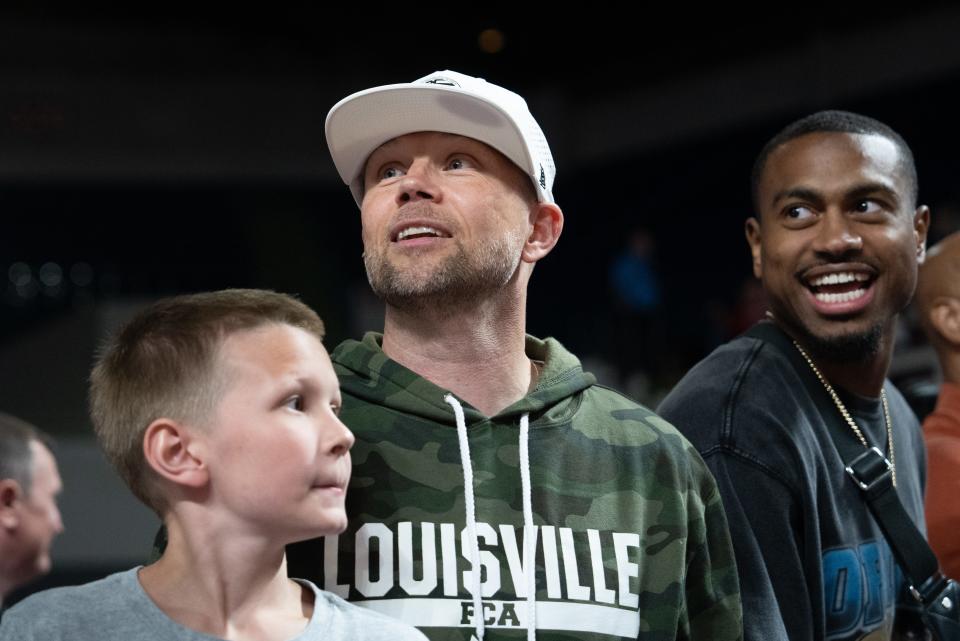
point(163, 364)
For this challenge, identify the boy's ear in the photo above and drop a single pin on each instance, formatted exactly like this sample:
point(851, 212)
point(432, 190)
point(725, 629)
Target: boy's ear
point(173, 452)
point(10, 496)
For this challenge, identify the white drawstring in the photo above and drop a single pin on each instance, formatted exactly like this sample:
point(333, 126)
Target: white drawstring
point(529, 545)
point(470, 509)
point(529, 549)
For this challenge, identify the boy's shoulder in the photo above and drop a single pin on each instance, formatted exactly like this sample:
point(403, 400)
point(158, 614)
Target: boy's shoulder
point(116, 607)
point(65, 612)
point(339, 619)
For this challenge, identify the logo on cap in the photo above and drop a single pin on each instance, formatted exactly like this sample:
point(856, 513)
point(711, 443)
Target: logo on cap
point(442, 81)
point(543, 178)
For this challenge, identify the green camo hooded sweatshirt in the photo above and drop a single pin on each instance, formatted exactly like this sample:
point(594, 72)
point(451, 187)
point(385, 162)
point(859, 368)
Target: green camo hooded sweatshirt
point(628, 531)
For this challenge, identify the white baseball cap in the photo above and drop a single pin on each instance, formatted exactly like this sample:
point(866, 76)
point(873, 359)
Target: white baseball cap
point(444, 101)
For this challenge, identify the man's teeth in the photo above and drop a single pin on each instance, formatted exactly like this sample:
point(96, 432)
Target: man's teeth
point(845, 297)
point(840, 279)
point(417, 231)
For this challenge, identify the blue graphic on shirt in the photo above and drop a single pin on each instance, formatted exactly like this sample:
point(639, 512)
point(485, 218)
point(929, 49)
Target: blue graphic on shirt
point(859, 588)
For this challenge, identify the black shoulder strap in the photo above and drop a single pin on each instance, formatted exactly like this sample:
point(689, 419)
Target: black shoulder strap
point(870, 470)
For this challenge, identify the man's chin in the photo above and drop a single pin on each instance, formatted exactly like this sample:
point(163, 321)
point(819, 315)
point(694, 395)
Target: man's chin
point(853, 346)
point(443, 290)
point(411, 294)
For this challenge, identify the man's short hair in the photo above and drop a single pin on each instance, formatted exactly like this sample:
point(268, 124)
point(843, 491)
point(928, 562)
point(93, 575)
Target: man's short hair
point(163, 364)
point(16, 458)
point(832, 121)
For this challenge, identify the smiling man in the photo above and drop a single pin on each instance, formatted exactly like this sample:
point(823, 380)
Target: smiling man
point(836, 242)
point(498, 492)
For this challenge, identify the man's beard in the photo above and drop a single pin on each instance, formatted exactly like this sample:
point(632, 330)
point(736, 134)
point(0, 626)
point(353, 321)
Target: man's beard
point(448, 285)
point(852, 348)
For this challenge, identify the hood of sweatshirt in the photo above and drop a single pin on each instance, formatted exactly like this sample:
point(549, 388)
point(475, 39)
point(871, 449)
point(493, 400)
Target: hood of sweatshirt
point(367, 373)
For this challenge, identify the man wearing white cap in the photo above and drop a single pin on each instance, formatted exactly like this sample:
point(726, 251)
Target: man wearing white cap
point(498, 491)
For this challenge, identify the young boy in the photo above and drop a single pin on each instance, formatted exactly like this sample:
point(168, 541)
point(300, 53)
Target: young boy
point(219, 411)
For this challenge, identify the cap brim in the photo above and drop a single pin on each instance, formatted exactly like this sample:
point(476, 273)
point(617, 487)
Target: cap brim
point(360, 123)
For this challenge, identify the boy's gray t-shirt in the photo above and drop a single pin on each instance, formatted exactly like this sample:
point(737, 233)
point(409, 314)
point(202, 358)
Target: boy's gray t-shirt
point(117, 609)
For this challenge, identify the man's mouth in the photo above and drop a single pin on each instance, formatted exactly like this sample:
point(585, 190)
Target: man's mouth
point(419, 231)
point(840, 287)
point(840, 290)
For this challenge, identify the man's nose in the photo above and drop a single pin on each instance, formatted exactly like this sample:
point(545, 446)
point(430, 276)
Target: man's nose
point(837, 235)
point(419, 183)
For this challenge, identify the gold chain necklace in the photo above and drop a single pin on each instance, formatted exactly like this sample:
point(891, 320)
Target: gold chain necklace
point(849, 419)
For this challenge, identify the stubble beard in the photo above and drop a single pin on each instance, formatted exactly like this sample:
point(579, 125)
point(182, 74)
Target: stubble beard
point(447, 286)
point(852, 347)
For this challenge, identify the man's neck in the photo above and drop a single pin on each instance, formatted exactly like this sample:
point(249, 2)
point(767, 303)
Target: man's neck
point(478, 353)
point(863, 376)
point(9, 573)
point(865, 379)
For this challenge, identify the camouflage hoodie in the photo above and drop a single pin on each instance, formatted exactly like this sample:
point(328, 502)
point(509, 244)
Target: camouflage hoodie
point(628, 532)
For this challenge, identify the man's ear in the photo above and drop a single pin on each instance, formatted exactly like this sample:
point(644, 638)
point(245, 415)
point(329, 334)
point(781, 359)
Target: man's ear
point(11, 495)
point(921, 224)
point(546, 220)
point(945, 318)
point(752, 230)
point(173, 451)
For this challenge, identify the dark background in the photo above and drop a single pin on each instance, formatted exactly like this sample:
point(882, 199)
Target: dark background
point(170, 148)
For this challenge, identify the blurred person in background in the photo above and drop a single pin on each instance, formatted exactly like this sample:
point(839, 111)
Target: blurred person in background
point(938, 301)
point(29, 518)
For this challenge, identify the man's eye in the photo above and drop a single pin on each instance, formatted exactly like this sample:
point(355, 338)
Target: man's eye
point(798, 212)
point(459, 163)
point(295, 403)
point(391, 172)
point(867, 207)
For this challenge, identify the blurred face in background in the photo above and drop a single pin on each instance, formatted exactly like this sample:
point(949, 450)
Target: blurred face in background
point(32, 520)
